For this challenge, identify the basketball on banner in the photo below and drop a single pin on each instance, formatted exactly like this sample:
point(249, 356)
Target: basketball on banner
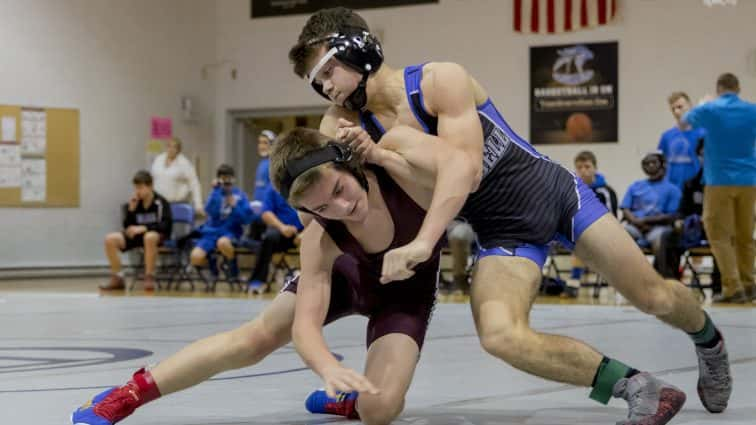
point(573, 93)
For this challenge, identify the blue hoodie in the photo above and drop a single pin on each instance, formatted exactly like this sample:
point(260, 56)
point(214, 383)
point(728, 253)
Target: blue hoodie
point(598, 181)
point(222, 218)
point(605, 193)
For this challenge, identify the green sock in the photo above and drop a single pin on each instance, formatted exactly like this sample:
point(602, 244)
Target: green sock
point(707, 335)
point(609, 372)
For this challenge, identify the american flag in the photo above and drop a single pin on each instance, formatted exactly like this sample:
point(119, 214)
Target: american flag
point(556, 16)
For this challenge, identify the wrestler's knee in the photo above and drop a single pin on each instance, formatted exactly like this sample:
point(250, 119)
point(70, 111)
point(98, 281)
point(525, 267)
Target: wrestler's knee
point(509, 343)
point(380, 409)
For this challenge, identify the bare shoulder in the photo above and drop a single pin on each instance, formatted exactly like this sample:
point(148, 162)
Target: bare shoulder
point(434, 69)
point(440, 74)
point(448, 83)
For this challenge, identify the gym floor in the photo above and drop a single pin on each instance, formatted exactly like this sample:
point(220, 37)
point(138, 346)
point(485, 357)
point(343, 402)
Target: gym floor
point(61, 342)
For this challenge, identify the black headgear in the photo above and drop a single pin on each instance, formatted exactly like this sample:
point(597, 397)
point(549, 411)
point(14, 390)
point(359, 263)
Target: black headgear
point(658, 154)
point(359, 50)
point(225, 170)
point(332, 152)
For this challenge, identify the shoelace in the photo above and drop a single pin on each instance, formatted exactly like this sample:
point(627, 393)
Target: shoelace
point(716, 372)
point(634, 401)
point(118, 404)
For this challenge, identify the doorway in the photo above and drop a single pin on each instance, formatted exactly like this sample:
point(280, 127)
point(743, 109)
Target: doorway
point(247, 125)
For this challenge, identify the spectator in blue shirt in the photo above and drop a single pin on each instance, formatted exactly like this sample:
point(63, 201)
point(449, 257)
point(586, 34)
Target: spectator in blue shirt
point(688, 231)
point(262, 177)
point(678, 144)
point(262, 183)
point(730, 192)
point(586, 167)
point(227, 210)
point(282, 233)
point(650, 205)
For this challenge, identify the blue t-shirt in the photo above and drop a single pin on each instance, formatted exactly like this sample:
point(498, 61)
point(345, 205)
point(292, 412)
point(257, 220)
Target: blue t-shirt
point(730, 148)
point(645, 198)
point(275, 203)
point(262, 179)
point(679, 148)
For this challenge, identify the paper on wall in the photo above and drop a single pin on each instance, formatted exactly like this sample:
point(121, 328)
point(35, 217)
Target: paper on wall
point(33, 180)
point(10, 177)
point(8, 129)
point(33, 132)
point(10, 156)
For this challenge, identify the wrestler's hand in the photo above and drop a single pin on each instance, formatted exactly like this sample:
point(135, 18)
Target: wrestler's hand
point(358, 140)
point(340, 379)
point(399, 262)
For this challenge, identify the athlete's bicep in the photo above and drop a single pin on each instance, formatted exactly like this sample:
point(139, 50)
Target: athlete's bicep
point(317, 255)
point(453, 100)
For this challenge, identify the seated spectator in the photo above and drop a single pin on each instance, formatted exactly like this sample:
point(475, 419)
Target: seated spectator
point(461, 237)
point(281, 234)
point(262, 183)
point(688, 230)
point(678, 144)
point(650, 205)
point(228, 211)
point(175, 177)
point(586, 167)
point(147, 224)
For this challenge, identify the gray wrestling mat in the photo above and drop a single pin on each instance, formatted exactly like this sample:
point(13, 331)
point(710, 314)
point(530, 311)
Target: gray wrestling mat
point(57, 350)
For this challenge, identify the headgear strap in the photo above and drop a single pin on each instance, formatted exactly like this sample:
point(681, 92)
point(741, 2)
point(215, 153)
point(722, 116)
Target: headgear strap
point(331, 152)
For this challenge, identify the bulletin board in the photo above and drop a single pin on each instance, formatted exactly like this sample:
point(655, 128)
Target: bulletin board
point(39, 157)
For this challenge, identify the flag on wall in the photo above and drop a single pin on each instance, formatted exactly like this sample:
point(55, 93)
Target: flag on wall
point(556, 16)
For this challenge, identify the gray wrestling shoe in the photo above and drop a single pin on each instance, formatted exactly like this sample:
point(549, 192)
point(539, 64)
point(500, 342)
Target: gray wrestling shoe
point(714, 380)
point(651, 400)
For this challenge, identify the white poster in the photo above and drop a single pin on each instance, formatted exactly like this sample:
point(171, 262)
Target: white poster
point(33, 180)
point(9, 129)
point(33, 132)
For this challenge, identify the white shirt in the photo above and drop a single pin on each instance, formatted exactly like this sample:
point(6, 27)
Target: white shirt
point(176, 181)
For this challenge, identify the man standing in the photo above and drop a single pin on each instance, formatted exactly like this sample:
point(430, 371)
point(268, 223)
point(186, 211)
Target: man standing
point(679, 143)
point(730, 193)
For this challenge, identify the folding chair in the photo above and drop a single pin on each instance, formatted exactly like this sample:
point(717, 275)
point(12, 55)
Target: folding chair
point(701, 250)
point(283, 262)
point(177, 247)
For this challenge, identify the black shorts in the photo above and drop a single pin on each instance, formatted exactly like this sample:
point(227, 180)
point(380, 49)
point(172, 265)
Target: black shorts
point(403, 307)
point(137, 241)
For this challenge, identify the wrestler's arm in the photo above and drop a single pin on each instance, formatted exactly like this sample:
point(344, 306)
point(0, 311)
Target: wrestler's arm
point(452, 160)
point(317, 255)
point(329, 124)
